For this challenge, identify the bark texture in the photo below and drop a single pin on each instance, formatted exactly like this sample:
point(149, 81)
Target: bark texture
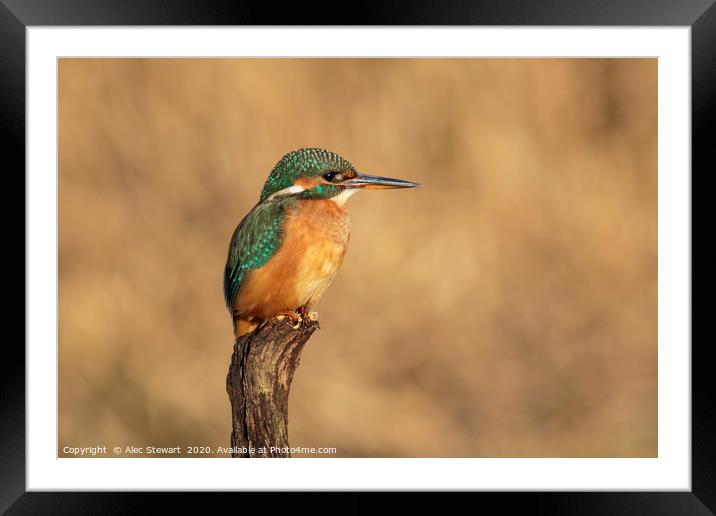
point(258, 384)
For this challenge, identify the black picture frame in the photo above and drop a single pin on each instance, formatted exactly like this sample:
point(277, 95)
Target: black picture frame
point(17, 15)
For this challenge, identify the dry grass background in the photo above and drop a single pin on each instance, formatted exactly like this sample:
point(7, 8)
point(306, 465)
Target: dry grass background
point(506, 309)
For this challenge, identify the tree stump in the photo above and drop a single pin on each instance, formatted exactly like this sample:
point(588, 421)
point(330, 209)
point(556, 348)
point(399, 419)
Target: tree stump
point(258, 383)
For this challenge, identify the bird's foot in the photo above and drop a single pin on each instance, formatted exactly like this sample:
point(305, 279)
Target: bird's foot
point(294, 316)
point(307, 315)
point(298, 316)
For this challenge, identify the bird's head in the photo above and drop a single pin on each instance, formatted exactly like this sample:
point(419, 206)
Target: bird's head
point(318, 173)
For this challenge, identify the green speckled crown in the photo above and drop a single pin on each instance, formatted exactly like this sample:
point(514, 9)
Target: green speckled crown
point(300, 163)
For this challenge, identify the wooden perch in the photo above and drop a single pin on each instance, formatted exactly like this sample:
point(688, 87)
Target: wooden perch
point(258, 383)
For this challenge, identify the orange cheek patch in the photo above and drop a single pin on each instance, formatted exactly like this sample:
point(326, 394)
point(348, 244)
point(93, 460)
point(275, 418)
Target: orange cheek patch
point(310, 182)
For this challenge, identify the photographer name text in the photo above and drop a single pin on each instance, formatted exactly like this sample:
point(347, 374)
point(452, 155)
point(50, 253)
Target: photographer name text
point(100, 451)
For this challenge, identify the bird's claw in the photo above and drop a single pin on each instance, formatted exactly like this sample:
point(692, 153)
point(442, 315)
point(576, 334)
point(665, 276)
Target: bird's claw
point(298, 316)
point(294, 316)
point(303, 312)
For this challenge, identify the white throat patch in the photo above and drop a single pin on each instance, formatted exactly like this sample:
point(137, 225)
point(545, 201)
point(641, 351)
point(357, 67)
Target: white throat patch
point(342, 198)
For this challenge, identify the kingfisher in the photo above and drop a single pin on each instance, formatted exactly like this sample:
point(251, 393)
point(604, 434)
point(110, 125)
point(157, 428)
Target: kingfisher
point(284, 254)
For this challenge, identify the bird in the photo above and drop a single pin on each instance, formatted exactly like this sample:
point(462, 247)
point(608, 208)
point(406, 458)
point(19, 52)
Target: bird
point(285, 252)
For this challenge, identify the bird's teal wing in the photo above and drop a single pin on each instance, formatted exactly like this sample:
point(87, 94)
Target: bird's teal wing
point(255, 240)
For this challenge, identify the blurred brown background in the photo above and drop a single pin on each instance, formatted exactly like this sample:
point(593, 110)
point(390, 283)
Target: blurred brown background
point(506, 309)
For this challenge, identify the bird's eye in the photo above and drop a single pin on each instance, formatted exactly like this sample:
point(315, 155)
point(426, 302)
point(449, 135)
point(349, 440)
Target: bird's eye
point(333, 177)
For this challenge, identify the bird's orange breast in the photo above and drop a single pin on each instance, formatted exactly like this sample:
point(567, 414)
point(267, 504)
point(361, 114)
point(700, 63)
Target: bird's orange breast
point(315, 239)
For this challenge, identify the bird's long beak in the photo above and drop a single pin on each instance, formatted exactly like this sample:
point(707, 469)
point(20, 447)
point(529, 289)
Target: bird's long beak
point(377, 182)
